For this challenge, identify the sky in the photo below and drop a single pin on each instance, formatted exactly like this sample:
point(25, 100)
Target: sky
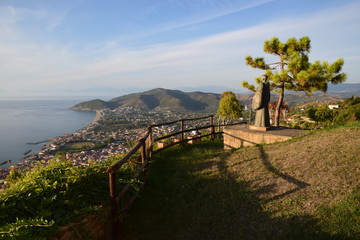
point(50, 47)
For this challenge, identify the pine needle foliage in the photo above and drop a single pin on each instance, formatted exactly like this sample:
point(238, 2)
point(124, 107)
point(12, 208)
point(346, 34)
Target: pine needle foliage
point(294, 71)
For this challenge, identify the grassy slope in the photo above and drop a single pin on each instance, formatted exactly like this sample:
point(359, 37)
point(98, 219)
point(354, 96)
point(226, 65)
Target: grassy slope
point(299, 189)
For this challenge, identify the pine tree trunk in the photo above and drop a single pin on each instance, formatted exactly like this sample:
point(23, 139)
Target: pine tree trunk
point(281, 97)
point(278, 107)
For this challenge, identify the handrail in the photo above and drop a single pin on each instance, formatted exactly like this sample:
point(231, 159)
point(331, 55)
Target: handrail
point(184, 119)
point(183, 141)
point(118, 164)
point(177, 133)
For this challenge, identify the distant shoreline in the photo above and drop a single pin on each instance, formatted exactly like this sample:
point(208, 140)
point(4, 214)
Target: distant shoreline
point(35, 143)
point(98, 115)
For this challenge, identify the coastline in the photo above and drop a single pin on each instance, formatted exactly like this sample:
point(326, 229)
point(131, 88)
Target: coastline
point(28, 162)
point(98, 115)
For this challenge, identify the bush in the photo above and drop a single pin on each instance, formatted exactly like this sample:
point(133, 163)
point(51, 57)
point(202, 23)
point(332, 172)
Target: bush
point(351, 113)
point(52, 195)
point(321, 114)
point(357, 114)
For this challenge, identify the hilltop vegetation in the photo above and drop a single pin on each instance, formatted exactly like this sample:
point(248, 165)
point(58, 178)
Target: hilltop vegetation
point(93, 105)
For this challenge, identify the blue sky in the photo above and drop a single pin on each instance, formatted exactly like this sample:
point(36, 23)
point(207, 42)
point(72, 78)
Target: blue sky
point(46, 46)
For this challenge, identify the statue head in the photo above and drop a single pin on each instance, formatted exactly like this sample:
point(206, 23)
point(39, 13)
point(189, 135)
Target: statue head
point(264, 78)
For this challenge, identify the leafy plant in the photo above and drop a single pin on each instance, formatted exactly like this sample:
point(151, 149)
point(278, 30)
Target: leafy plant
point(229, 106)
point(321, 114)
point(52, 195)
point(26, 229)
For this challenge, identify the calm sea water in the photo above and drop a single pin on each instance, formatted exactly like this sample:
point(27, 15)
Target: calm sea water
point(23, 121)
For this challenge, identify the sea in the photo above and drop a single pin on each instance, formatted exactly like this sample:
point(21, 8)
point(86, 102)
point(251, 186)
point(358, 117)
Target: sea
point(24, 121)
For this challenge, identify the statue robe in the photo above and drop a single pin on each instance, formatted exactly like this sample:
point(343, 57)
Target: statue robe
point(260, 104)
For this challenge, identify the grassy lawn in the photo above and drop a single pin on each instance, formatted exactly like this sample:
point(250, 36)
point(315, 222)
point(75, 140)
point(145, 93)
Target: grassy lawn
point(78, 146)
point(306, 188)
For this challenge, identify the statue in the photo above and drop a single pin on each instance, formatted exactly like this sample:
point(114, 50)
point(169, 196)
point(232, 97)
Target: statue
point(260, 104)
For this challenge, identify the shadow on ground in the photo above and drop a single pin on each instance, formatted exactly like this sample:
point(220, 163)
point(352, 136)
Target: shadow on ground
point(198, 197)
point(299, 184)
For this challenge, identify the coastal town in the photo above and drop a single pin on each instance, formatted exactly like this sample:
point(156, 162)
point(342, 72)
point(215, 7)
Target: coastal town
point(111, 133)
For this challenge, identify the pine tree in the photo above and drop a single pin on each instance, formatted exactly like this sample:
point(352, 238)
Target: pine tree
point(294, 71)
point(229, 106)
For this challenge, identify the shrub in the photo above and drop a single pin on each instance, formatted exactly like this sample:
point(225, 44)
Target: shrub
point(52, 195)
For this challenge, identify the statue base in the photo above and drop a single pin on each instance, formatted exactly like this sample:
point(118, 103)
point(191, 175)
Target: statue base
point(243, 135)
point(251, 127)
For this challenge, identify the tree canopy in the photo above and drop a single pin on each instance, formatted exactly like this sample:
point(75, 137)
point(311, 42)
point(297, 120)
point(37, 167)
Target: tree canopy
point(293, 71)
point(229, 106)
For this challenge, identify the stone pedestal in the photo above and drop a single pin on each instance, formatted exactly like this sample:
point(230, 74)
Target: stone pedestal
point(251, 127)
point(241, 135)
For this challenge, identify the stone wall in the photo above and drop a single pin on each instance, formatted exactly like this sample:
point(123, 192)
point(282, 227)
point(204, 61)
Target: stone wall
point(241, 136)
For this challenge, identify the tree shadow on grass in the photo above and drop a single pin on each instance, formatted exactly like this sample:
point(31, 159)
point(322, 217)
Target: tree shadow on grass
point(181, 203)
point(298, 184)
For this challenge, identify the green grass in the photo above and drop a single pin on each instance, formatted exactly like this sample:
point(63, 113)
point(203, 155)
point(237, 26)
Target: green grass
point(77, 146)
point(307, 188)
point(343, 217)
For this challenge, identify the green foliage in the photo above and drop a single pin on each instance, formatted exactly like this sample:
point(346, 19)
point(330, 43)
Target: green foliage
point(351, 101)
point(301, 125)
point(26, 229)
point(229, 106)
point(321, 114)
point(349, 111)
point(14, 175)
point(82, 146)
point(357, 114)
point(55, 194)
point(245, 84)
point(294, 71)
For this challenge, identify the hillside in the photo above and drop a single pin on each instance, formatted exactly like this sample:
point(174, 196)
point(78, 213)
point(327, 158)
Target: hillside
point(174, 100)
point(297, 98)
point(306, 188)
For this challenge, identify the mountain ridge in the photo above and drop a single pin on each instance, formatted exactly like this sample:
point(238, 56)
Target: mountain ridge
point(174, 100)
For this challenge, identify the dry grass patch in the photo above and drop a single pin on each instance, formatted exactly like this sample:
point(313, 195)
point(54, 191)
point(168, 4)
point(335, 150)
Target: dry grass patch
point(298, 176)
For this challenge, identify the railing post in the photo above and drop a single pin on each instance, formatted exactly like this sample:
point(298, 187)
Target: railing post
point(150, 143)
point(143, 152)
point(114, 206)
point(212, 127)
point(181, 130)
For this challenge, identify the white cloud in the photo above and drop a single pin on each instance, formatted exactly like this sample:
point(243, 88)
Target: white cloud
point(212, 60)
point(213, 11)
